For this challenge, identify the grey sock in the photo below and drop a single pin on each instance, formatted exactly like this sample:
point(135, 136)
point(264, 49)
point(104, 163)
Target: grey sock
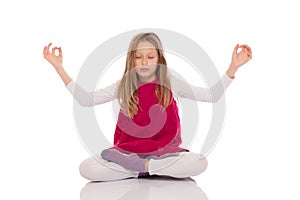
point(129, 161)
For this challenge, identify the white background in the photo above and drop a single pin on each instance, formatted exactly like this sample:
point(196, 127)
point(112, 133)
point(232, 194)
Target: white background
point(257, 155)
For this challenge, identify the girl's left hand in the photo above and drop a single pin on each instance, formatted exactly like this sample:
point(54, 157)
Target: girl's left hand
point(242, 57)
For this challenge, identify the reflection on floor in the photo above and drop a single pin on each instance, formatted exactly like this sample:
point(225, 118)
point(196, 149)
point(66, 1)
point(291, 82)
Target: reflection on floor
point(151, 188)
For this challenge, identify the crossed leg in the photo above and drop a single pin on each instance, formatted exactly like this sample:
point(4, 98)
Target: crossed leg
point(186, 164)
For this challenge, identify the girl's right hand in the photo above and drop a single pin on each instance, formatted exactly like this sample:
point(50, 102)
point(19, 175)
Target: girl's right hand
point(50, 56)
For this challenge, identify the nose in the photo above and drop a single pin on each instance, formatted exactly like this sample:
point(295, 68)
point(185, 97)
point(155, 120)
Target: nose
point(144, 61)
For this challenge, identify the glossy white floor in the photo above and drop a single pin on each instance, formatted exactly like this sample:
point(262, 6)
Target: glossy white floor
point(148, 188)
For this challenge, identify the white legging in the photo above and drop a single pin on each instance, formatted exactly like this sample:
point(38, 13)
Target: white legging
point(187, 164)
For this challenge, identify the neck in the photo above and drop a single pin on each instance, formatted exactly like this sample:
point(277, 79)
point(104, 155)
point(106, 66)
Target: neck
point(147, 79)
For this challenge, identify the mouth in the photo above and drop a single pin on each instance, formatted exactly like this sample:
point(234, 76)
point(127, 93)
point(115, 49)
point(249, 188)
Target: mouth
point(144, 69)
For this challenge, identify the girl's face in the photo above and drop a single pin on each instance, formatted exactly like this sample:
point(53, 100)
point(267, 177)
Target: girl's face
point(145, 61)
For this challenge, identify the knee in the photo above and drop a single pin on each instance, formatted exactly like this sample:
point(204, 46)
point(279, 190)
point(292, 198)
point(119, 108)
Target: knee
point(200, 164)
point(86, 169)
point(203, 163)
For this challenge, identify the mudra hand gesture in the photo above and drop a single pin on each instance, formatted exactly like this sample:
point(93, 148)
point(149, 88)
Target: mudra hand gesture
point(50, 56)
point(239, 58)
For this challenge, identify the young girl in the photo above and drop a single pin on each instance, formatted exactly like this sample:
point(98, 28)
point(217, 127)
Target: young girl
point(148, 135)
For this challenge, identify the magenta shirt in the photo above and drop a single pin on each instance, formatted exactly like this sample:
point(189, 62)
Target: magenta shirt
point(142, 135)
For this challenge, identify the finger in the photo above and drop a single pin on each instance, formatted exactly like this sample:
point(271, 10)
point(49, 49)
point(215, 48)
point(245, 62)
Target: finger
point(49, 45)
point(246, 47)
point(246, 52)
point(53, 50)
point(46, 48)
point(235, 49)
point(60, 51)
point(46, 51)
point(249, 48)
point(249, 56)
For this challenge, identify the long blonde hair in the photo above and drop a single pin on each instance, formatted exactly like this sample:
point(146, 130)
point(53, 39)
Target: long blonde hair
point(127, 90)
